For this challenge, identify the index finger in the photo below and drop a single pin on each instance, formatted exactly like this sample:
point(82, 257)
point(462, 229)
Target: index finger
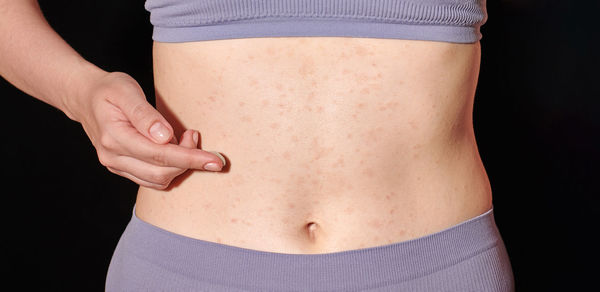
point(172, 155)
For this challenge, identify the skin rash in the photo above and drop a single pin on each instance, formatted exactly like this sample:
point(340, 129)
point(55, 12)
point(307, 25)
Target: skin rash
point(331, 143)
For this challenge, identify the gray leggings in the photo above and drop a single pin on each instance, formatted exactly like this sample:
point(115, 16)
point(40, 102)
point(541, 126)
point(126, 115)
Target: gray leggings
point(469, 256)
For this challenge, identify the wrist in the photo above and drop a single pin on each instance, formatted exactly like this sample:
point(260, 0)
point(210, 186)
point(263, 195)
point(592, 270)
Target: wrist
point(79, 86)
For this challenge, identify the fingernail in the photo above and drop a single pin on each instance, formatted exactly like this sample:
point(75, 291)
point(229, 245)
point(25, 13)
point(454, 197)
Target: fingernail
point(195, 137)
point(212, 166)
point(159, 132)
point(220, 157)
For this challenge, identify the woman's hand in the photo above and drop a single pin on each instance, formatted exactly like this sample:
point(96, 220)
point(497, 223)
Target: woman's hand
point(132, 138)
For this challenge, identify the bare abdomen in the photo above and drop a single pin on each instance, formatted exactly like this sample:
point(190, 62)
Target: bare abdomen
point(332, 143)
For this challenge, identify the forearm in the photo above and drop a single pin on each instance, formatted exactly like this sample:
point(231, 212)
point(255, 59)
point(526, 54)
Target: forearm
point(35, 59)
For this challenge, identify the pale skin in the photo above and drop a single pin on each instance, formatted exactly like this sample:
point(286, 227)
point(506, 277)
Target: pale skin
point(330, 143)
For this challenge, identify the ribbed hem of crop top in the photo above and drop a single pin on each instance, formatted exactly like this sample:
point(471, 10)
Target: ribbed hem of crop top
point(457, 21)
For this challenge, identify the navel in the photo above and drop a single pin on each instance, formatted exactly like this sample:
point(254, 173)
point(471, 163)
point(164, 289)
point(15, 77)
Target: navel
point(311, 229)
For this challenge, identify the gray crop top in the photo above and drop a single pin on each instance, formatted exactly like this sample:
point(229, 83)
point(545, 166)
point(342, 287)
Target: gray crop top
point(455, 21)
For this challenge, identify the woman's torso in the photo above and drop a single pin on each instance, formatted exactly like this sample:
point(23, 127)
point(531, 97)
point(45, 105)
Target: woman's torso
point(371, 139)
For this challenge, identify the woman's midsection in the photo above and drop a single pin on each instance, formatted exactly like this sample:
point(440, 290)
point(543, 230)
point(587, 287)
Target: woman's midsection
point(331, 143)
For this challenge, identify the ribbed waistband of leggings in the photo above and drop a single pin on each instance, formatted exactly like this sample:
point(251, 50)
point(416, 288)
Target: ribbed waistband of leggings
point(261, 270)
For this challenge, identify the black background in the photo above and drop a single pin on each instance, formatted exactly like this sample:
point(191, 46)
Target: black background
point(536, 119)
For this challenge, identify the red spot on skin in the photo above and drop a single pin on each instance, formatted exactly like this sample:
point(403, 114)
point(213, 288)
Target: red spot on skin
point(307, 68)
point(233, 220)
point(375, 223)
point(292, 206)
point(287, 155)
point(373, 135)
point(212, 98)
point(360, 51)
point(413, 125)
point(392, 211)
point(362, 78)
point(241, 103)
point(274, 125)
point(339, 162)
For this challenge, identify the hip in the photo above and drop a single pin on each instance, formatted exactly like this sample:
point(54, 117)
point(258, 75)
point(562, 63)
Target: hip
point(469, 256)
